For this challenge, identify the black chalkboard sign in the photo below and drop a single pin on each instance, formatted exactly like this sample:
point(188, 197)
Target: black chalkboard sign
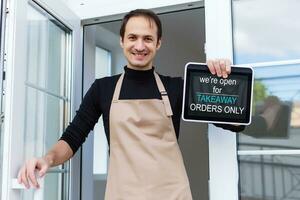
point(209, 98)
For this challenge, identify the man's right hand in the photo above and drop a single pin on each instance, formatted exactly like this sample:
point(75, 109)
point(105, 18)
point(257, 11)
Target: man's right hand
point(33, 168)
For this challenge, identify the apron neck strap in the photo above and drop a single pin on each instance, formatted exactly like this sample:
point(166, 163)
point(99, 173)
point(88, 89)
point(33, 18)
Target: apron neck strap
point(164, 95)
point(161, 88)
point(118, 88)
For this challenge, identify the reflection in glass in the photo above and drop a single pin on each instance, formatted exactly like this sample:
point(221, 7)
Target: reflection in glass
point(269, 177)
point(46, 105)
point(276, 103)
point(266, 30)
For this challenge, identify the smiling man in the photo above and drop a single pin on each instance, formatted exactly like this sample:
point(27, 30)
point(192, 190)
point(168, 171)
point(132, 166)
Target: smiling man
point(141, 114)
point(140, 40)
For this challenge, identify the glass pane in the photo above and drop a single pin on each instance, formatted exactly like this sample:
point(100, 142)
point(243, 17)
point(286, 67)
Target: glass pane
point(46, 53)
point(276, 105)
point(43, 126)
point(269, 177)
point(266, 30)
point(43, 121)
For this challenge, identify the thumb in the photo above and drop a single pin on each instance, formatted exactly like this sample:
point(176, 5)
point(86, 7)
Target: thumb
point(43, 170)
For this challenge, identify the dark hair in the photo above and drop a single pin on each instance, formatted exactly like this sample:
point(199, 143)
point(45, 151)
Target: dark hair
point(149, 14)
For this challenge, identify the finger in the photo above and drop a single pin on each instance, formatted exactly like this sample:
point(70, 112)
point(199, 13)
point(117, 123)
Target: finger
point(31, 175)
point(228, 66)
point(210, 66)
point(32, 178)
point(217, 67)
point(223, 68)
point(43, 170)
point(24, 178)
point(19, 175)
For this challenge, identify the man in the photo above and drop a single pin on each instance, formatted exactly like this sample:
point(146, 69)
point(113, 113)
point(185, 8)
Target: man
point(141, 112)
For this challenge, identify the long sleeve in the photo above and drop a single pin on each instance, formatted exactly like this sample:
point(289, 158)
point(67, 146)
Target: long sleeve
point(231, 127)
point(85, 119)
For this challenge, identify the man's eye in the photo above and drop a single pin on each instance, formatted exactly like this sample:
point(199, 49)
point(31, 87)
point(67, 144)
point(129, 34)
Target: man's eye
point(149, 39)
point(131, 37)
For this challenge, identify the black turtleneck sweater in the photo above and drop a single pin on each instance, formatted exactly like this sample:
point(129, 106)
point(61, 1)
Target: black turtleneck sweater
point(136, 85)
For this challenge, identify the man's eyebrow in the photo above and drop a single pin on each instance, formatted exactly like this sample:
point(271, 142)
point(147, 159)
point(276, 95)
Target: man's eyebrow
point(133, 34)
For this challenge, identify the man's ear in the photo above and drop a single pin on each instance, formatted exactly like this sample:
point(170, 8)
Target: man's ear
point(158, 44)
point(121, 42)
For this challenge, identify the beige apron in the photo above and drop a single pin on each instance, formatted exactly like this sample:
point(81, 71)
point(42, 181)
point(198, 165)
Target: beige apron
point(145, 159)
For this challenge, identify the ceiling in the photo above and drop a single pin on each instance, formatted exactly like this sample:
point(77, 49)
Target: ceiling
point(88, 9)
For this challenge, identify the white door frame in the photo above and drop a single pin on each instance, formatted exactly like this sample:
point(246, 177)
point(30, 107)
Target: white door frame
point(2, 34)
point(16, 37)
point(223, 165)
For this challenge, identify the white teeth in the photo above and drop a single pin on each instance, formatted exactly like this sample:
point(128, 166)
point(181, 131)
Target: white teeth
point(140, 54)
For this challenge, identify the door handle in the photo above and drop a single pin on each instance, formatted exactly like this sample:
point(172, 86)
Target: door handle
point(17, 186)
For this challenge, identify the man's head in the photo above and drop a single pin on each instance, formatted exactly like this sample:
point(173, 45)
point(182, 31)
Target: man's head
point(140, 38)
point(148, 14)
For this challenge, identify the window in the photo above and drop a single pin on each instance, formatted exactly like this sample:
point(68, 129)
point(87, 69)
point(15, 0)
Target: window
point(265, 30)
point(266, 37)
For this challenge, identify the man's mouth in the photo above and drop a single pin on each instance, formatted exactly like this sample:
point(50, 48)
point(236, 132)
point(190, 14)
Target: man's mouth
point(139, 53)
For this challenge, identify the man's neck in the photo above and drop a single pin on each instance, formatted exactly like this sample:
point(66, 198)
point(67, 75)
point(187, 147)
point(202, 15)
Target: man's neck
point(140, 68)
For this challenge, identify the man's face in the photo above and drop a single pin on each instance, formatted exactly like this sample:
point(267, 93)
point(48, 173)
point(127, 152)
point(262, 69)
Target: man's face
point(140, 43)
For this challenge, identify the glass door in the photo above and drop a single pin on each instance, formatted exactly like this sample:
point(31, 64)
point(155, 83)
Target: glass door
point(42, 62)
point(263, 161)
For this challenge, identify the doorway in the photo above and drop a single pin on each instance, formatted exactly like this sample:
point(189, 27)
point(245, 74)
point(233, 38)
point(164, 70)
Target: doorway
point(182, 41)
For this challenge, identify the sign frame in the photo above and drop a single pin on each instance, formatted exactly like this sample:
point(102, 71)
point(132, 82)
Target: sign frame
point(249, 114)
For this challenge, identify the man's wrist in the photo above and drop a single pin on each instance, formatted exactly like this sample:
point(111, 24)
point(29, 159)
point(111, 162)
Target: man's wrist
point(49, 158)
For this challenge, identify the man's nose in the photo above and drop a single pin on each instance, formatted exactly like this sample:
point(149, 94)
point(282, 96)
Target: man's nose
point(139, 45)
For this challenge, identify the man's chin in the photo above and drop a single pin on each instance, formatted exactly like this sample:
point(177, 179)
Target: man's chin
point(139, 66)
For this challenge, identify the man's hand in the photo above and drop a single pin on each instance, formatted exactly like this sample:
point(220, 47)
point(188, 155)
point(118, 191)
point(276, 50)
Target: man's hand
point(60, 153)
point(220, 67)
point(32, 168)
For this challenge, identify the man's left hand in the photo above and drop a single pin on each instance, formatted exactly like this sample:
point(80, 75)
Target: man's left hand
point(220, 67)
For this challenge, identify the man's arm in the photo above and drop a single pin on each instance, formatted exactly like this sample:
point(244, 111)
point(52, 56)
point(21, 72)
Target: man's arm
point(231, 127)
point(60, 153)
point(73, 137)
point(37, 167)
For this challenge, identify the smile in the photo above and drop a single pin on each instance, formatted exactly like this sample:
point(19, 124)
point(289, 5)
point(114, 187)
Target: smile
point(139, 54)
